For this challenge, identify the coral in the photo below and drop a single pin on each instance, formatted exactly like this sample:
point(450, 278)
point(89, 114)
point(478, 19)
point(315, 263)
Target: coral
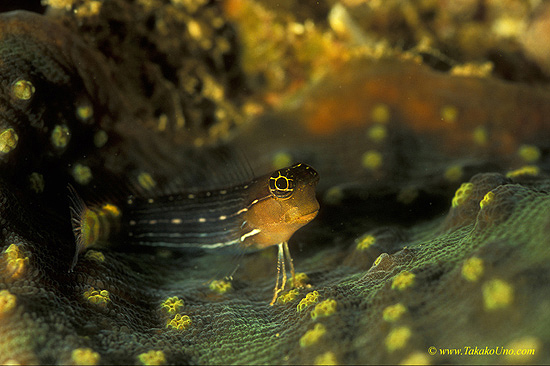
point(427, 122)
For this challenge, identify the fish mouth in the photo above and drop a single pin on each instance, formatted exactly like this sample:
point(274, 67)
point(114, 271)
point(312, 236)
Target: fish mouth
point(309, 216)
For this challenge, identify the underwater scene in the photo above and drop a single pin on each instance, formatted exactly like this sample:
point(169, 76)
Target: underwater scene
point(274, 182)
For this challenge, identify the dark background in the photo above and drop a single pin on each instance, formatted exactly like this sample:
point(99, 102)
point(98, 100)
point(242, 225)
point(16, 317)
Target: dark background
point(32, 5)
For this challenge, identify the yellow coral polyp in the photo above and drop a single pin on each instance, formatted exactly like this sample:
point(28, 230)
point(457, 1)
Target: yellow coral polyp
point(84, 111)
point(454, 173)
point(381, 113)
point(101, 298)
point(146, 181)
point(462, 193)
point(393, 313)
point(172, 305)
point(7, 302)
point(529, 153)
point(220, 286)
point(525, 170)
point(95, 256)
point(36, 182)
point(23, 89)
point(372, 160)
point(324, 308)
point(311, 298)
point(288, 296)
point(398, 338)
point(489, 196)
point(313, 335)
point(531, 346)
point(152, 358)
point(110, 209)
point(377, 133)
point(179, 322)
point(82, 174)
point(300, 279)
point(497, 294)
point(16, 262)
point(416, 358)
point(281, 159)
point(85, 356)
point(449, 113)
point(365, 242)
point(472, 269)
point(8, 140)
point(480, 136)
point(403, 280)
point(327, 358)
point(60, 136)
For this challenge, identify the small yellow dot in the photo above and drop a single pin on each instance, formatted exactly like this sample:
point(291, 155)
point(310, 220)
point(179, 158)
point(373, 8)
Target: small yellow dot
point(22, 89)
point(381, 113)
point(472, 269)
point(82, 174)
point(398, 338)
point(372, 160)
point(60, 136)
point(497, 294)
point(403, 280)
point(449, 113)
point(364, 242)
point(313, 335)
point(462, 193)
point(8, 140)
point(454, 173)
point(152, 358)
point(377, 133)
point(392, 313)
point(85, 356)
point(529, 153)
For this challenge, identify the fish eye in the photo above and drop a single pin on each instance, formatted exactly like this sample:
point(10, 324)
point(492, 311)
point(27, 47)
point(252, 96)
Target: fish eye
point(281, 186)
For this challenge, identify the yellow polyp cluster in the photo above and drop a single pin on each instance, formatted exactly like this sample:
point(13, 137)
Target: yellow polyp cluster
point(220, 286)
point(84, 111)
point(372, 160)
point(300, 279)
point(529, 153)
point(398, 338)
point(281, 159)
point(449, 113)
point(100, 298)
point(327, 358)
point(454, 173)
point(480, 136)
point(152, 358)
point(310, 299)
point(313, 335)
point(497, 294)
point(393, 313)
point(364, 242)
point(525, 170)
point(85, 356)
point(15, 262)
point(36, 182)
point(288, 296)
point(377, 133)
point(8, 140)
point(172, 305)
point(60, 136)
point(179, 322)
point(462, 193)
point(489, 196)
point(403, 280)
point(381, 113)
point(146, 181)
point(94, 255)
point(324, 308)
point(7, 302)
point(23, 89)
point(82, 174)
point(416, 358)
point(472, 269)
point(100, 138)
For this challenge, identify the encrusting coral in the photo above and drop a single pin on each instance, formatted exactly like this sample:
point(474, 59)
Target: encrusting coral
point(433, 228)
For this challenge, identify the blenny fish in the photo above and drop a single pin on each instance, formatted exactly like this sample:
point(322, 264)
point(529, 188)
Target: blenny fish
point(255, 215)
